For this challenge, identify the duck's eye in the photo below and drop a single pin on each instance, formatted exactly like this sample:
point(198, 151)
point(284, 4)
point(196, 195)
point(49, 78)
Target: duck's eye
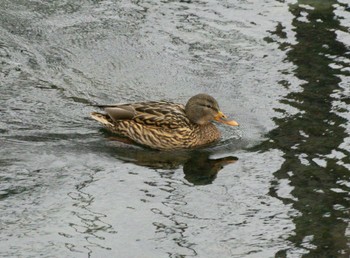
point(208, 106)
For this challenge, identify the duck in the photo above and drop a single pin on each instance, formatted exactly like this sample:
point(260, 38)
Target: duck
point(164, 125)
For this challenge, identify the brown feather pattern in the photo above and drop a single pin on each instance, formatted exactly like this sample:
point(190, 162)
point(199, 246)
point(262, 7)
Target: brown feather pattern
point(158, 125)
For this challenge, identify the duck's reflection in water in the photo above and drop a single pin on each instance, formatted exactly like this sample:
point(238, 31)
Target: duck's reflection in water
point(198, 167)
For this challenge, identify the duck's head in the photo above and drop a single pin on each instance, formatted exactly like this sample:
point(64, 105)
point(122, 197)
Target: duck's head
point(202, 109)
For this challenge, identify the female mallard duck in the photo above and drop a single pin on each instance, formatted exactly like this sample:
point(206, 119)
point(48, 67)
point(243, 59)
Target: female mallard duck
point(166, 125)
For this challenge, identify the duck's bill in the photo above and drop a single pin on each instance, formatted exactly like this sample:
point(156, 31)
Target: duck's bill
point(229, 122)
point(221, 118)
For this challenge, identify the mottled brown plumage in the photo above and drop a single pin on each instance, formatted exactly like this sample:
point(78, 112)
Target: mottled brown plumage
point(165, 125)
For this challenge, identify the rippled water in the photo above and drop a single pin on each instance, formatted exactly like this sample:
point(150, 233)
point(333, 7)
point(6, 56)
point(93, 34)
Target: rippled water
point(276, 187)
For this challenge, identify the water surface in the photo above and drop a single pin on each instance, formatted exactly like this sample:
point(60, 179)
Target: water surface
point(278, 186)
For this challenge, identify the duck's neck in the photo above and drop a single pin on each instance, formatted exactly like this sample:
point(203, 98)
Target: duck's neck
point(209, 133)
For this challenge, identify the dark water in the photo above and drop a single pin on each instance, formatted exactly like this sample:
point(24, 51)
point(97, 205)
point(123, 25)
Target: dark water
point(276, 187)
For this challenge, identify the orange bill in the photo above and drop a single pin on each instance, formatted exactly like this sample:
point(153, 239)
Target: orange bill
point(221, 118)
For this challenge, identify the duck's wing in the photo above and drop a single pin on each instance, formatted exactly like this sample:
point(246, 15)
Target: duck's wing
point(156, 114)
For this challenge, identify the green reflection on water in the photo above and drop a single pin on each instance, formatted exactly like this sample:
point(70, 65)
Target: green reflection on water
point(315, 131)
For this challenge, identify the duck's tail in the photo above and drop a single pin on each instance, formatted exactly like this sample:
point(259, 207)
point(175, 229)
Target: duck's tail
point(102, 118)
